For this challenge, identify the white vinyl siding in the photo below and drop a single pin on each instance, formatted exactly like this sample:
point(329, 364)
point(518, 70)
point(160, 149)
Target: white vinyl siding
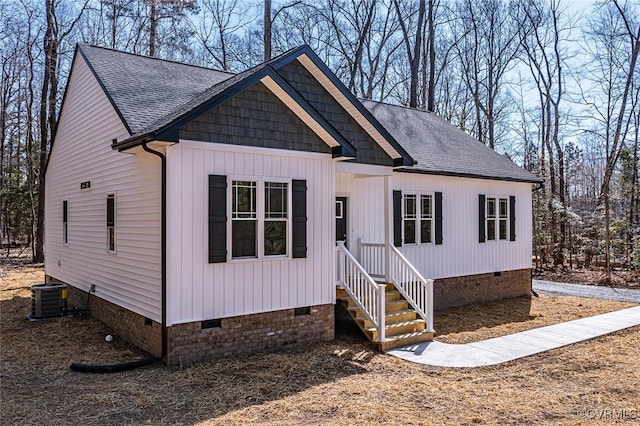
point(82, 152)
point(199, 290)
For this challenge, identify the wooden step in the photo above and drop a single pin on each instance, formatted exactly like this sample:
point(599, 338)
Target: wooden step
point(398, 328)
point(392, 295)
point(405, 339)
point(390, 317)
point(396, 305)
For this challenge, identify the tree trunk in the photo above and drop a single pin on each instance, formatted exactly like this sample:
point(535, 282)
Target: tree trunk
point(267, 30)
point(50, 65)
point(432, 60)
point(153, 26)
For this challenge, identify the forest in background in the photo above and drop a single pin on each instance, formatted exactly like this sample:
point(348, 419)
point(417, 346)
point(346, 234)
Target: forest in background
point(555, 88)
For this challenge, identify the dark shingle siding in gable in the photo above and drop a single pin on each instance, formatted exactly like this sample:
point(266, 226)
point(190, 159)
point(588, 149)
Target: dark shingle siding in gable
point(255, 117)
point(368, 151)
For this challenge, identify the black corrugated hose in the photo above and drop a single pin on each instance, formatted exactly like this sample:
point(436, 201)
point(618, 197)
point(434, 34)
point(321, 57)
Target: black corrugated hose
point(113, 368)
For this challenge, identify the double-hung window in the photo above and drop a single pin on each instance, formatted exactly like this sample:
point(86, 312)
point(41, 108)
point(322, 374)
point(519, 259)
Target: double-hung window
point(244, 218)
point(497, 218)
point(426, 218)
point(410, 218)
point(259, 218)
point(111, 223)
point(275, 218)
point(65, 222)
point(417, 218)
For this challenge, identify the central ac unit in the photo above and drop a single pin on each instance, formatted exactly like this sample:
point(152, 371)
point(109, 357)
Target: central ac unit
point(48, 300)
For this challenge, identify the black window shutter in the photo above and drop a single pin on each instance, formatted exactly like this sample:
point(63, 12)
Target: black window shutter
point(217, 218)
point(481, 218)
point(438, 214)
point(64, 211)
point(512, 218)
point(299, 218)
point(111, 209)
point(397, 218)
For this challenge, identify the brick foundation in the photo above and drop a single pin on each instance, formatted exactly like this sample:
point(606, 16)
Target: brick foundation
point(128, 325)
point(189, 343)
point(458, 291)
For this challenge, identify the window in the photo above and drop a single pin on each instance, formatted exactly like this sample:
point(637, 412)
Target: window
point(244, 219)
point(418, 218)
point(275, 219)
point(497, 218)
point(250, 228)
point(65, 222)
point(491, 219)
point(409, 219)
point(111, 223)
point(502, 219)
point(426, 218)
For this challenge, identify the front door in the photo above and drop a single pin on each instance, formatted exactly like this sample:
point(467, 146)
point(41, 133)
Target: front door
point(341, 219)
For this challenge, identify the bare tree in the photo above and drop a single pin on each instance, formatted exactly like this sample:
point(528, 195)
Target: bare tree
point(487, 49)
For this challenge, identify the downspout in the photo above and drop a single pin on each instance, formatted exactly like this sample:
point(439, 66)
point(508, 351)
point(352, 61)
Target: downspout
point(163, 239)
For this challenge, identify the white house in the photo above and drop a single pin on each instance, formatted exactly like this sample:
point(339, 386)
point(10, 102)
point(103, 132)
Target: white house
point(201, 213)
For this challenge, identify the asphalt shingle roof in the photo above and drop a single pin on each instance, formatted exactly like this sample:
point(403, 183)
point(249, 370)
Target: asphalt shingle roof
point(143, 88)
point(441, 148)
point(151, 93)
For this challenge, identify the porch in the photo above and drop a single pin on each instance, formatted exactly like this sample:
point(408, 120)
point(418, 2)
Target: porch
point(382, 291)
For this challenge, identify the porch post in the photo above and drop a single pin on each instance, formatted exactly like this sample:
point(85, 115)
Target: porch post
point(388, 217)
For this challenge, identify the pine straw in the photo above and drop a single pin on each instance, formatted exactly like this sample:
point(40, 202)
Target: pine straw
point(342, 382)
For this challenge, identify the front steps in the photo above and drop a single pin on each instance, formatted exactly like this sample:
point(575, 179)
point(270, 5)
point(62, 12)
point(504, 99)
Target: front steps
point(402, 324)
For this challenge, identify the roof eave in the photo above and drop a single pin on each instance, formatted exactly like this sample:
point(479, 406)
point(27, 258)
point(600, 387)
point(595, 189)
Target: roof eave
point(467, 175)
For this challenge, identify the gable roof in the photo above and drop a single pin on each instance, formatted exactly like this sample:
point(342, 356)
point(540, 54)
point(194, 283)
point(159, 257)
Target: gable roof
point(141, 88)
point(157, 97)
point(443, 149)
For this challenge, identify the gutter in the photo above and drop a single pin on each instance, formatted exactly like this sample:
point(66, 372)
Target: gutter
point(163, 239)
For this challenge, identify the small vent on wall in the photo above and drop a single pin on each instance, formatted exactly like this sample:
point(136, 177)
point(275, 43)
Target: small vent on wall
point(148, 321)
point(306, 310)
point(497, 274)
point(212, 323)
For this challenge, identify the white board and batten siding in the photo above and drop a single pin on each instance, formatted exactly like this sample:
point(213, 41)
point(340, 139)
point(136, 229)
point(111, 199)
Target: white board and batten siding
point(461, 253)
point(82, 152)
point(198, 290)
point(365, 207)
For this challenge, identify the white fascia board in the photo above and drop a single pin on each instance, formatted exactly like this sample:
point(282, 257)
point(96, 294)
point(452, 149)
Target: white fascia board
point(299, 111)
point(364, 169)
point(348, 106)
point(214, 146)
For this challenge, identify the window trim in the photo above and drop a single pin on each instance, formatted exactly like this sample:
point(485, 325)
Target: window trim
point(497, 199)
point(418, 217)
point(115, 223)
point(260, 217)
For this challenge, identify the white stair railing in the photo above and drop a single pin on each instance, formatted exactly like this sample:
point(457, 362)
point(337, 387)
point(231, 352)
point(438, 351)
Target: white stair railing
point(371, 256)
point(416, 289)
point(368, 295)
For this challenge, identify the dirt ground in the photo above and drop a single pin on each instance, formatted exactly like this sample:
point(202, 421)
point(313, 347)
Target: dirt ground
point(341, 382)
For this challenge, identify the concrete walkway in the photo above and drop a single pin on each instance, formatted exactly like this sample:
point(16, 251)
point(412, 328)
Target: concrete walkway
point(518, 345)
point(592, 291)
